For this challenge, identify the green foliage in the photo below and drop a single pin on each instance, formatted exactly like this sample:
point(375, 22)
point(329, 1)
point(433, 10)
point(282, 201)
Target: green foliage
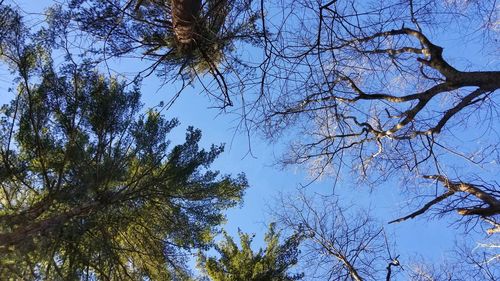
point(90, 188)
point(242, 264)
point(129, 26)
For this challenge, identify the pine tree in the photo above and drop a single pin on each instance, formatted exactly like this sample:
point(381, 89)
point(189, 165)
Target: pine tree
point(90, 188)
point(183, 38)
point(243, 264)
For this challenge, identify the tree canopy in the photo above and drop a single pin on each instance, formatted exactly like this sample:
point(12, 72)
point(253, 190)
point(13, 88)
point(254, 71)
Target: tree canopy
point(365, 87)
point(90, 185)
point(182, 40)
point(243, 264)
point(364, 92)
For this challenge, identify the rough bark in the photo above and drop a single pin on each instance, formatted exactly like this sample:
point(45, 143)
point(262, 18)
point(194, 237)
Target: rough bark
point(184, 16)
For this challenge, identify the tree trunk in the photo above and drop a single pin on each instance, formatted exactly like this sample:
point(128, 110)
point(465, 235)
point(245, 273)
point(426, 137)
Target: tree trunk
point(31, 229)
point(184, 16)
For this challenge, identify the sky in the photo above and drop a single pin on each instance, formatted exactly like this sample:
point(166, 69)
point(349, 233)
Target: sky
point(428, 238)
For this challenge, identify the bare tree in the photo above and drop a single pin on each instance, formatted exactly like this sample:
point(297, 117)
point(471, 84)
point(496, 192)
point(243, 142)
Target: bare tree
point(368, 87)
point(342, 244)
point(478, 262)
point(339, 244)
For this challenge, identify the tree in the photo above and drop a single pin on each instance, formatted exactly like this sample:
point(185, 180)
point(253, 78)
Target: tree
point(343, 243)
point(270, 264)
point(90, 188)
point(338, 244)
point(466, 263)
point(182, 38)
point(364, 86)
point(184, 18)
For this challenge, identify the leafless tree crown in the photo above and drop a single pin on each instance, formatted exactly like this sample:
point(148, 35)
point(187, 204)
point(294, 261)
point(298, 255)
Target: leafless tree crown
point(370, 88)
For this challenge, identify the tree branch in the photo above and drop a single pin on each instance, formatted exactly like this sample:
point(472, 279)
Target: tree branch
point(425, 207)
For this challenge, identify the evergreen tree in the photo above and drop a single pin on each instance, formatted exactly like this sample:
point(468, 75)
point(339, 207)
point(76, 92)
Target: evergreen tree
point(90, 188)
point(182, 38)
point(243, 264)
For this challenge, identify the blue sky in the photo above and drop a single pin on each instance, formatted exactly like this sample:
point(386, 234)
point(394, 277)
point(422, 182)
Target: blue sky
point(419, 236)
